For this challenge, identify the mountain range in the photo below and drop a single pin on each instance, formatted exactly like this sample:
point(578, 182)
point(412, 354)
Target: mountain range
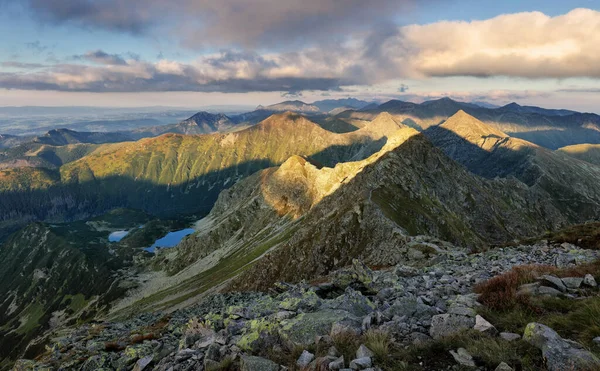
point(273, 196)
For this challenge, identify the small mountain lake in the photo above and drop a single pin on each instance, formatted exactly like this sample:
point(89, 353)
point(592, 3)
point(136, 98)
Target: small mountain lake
point(170, 240)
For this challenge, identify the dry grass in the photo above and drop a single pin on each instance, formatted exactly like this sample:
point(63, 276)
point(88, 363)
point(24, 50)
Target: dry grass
point(500, 292)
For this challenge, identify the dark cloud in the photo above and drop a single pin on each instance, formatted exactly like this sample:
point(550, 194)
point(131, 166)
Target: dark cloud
point(21, 65)
point(101, 57)
point(257, 23)
point(36, 46)
point(403, 88)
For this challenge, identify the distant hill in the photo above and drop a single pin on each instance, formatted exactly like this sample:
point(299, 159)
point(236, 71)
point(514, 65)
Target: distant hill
point(328, 105)
point(585, 152)
point(546, 127)
point(292, 106)
point(174, 173)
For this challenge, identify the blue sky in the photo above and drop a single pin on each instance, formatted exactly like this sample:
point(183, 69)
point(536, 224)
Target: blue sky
point(139, 53)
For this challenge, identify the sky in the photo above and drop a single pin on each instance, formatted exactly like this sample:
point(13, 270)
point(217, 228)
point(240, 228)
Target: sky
point(192, 53)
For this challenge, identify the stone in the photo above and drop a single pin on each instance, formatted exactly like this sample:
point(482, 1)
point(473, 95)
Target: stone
point(414, 254)
point(504, 367)
point(510, 336)
point(482, 325)
point(305, 359)
point(252, 363)
point(363, 352)
point(361, 363)
point(552, 281)
point(418, 338)
point(589, 280)
point(560, 354)
point(338, 364)
point(572, 282)
point(405, 271)
point(352, 301)
point(333, 352)
point(462, 357)
point(142, 363)
point(596, 340)
point(548, 291)
point(304, 328)
point(447, 324)
point(528, 289)
point(185, 354)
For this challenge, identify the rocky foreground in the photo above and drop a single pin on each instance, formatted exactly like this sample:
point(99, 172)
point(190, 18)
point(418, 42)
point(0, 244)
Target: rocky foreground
point(357, 318)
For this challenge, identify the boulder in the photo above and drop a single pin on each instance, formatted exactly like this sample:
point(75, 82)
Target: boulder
point(352, 301)
point(510, 336)
point(338, 364)
point(482, 325)
point(462, 357)
point(251, 363)
point(553, 281)
point(304, 328)
point(548, 291)
point(363, 352)
point(447, 324)
point(572, 282)
point(589, 280)
point(361, 363)
point(142, 363)
point(305, 359)
point(504, 367)
point(560, 354)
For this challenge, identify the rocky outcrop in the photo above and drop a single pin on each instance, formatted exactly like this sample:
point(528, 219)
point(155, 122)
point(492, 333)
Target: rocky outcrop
point(560, 354)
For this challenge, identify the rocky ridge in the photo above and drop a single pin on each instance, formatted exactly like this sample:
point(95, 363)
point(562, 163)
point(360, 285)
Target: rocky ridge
point(411, 304)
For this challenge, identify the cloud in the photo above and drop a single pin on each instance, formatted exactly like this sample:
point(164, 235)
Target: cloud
point(579, 90)
point(101, 57)
point(403, 88)
point(530, 45)
point(264, 23)
point(36, 46)
point(524, 45)
point(21, 65)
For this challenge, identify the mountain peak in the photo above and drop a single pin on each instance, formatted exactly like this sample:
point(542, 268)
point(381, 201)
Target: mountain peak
point(467, 126)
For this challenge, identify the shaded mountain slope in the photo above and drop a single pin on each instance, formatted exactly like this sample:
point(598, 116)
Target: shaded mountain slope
point(548, 128)
point(299, 222)
point(572, 183)
point(585, 152)
point(174, 173)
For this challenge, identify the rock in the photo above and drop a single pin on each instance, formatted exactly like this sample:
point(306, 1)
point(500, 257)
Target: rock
point(405, 271)
point(414, 254)
point(572, 282)
point(504, 367)
point(333, 352)
point(510, 336)
point(304, 328)
point(528, 289)
point(482, 325)
point(338, 364)
point(589, 280)
point(142, 363)
point(345, 327)
point(463, 357)
point(251, 363)
point(548, 291)
point(185, 354)
point(418, 338)
point(596, 340)
point(305, 359)
point(560, 354)
point(352, 301)
point(360, 363)
point(363, 352)
point(447, 324)
point(552, 281)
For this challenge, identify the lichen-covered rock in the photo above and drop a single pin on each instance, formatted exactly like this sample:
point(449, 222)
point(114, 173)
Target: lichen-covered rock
point(352, 301)
point(560, 354)
point(448, 324)
point(251, 363)
point(304, 328)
